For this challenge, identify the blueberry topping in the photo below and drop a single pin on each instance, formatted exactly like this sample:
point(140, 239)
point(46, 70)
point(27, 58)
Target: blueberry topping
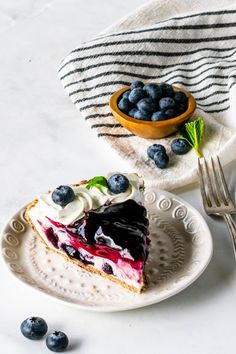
point(137, 84)
point(167, 90)
point(159, 115)
point(57, 341)
point(166, 103)
point(142, 115)
point(171, 113)
point(124, 105)
point(136, 95)
point(126, 94)
point(155, 148)
point(34, 328)
point(118, 183)
point(180, 146)
point(132, 112)
point(153, 91)
point(107, 268)
point(161, 159)
point(147, 105)
point(63, 195)
point(180, 97)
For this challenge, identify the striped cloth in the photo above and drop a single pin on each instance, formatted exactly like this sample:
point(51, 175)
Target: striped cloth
point(196, 51)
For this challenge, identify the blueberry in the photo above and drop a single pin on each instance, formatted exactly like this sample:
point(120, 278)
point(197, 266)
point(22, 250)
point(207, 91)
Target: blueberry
point(167, 90)
point(118, 183)
point(156, 116)
point(34, 328)
point(180, 97)
point(142, 115)
point(155, 148)
point(153, 91)
point(63, 195)
point(57, 341)
point(107, 268)
point(166, 103)
point(126, 94)
point(124, 105)
point(161, 159)
point(171, 113)
point(147, 104)
point(137, 84)
point(180, 146)
point(136, 95)
point(132, 112)
point(182, 107)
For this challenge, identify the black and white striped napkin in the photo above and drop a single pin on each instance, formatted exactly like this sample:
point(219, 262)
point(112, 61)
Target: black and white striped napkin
point(196, 51)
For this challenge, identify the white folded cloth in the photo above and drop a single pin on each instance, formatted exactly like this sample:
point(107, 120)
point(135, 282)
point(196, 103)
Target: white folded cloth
point(191, 44)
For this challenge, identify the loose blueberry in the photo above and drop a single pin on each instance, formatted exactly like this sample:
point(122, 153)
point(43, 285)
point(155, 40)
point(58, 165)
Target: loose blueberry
point(126, 94)
point(136, 95)
point(171, 113)
point(137, 84)
point(180, 146)
point(118, 183)
point(107, 268)
point(161, 159)
point(34, 328)
point(63, 195)
point(166, 103)
point(124, 105)
point(57, 341)
point(167, 90)
point(147, 105)
point(182, 107)
point(153, 91)
point(142, 115)
point(155, 148)
point(156, 116)
point(132, 112)
point(180, 97)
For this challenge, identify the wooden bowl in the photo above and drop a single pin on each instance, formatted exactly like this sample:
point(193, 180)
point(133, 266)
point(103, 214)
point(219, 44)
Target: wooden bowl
point(149, 129)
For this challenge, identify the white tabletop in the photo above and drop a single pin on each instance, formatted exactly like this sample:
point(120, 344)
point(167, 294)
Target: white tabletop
point(45, 143)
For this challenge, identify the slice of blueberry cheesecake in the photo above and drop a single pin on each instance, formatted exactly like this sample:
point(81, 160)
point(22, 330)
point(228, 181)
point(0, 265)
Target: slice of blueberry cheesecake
point(100, 225)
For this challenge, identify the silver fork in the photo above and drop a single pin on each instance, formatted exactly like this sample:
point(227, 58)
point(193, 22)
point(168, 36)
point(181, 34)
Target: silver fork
point(215, 193)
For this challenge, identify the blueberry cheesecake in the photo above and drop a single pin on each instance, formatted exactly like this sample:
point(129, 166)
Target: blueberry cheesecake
point(100, 225)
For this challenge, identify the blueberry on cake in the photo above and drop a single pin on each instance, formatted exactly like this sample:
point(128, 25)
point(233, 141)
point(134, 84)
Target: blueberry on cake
point(100, 225)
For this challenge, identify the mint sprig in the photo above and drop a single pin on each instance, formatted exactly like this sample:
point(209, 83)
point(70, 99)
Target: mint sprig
point(97, 182)
point(193, 133)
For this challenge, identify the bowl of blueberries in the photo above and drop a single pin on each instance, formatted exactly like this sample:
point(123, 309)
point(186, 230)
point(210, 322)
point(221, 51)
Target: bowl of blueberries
point(152, 110)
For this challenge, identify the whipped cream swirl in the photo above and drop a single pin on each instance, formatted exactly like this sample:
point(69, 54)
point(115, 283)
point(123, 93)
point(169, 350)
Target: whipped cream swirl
point(87, 199)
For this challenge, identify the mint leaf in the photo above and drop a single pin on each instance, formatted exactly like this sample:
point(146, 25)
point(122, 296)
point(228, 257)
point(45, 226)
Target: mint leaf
point(193, 132)
point(97, 182)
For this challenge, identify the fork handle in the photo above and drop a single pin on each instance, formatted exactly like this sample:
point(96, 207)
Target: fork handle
point(232, 229)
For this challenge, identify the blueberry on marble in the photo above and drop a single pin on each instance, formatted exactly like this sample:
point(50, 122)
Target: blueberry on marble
point(124, 105)
point(137, 84)
point(167, 89)
point(34, 328)
point(166, 103)
point(126, 94)
point(142, 115)
point(180, 146)
point(63, 195)
point(161, 159)
point(180, 97)
point(147, 105)
point(153, 91)
point(118, 183)
point(57, 341)
point(107, 268)
point(171, 113)
point(132, 112)
point(155, 148)
point(157, 116)
point(136, 95)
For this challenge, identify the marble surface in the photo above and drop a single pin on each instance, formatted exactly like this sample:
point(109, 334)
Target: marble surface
point(43, 143)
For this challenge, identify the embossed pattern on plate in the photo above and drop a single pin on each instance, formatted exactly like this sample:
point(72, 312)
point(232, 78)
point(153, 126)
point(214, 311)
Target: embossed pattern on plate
point(180, 251)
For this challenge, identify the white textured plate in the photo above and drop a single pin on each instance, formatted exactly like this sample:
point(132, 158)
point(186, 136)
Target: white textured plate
point(180, 251)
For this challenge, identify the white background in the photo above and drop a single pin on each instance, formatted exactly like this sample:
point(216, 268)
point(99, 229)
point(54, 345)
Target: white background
point(44, 143)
